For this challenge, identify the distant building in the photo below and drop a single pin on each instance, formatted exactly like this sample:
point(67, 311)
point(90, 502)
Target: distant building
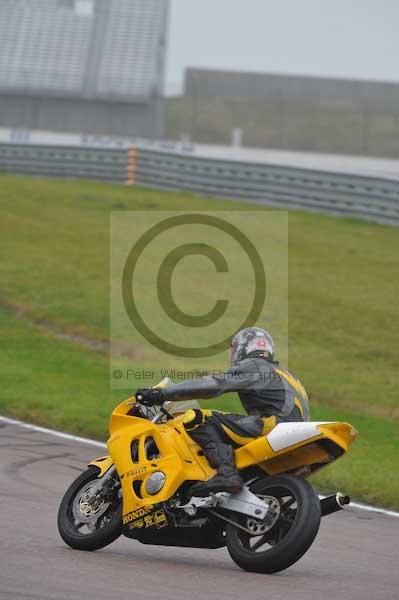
point(288, 112)
point(94, 66)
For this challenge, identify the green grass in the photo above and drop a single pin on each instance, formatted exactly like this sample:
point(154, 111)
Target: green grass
point(57, 383)
point(343, 309)
point(52, 382)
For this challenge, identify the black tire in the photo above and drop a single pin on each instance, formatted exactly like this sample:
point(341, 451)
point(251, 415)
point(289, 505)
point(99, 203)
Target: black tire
point(289, 538)
point(109, 529)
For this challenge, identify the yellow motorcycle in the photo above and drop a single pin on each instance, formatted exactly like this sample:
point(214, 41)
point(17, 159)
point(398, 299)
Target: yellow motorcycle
point(142, 489)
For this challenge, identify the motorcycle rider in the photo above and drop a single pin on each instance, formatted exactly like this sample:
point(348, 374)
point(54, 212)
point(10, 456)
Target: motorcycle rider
point(265, 390)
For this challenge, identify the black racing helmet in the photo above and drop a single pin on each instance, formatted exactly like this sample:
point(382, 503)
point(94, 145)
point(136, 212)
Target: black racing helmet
point(252, 341)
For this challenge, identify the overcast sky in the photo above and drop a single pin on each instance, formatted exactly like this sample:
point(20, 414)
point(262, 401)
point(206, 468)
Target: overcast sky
point(348, 38)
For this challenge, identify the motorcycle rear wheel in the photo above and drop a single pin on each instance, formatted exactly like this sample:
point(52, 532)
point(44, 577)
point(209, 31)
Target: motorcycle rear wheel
point(78, 529)
point(291, 535)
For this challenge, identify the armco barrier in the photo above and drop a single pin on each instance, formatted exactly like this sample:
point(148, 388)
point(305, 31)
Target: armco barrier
point(372, 198)
point(367, 197)
point(65, 161)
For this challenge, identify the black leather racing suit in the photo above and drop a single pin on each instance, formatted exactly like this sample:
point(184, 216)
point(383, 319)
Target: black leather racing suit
point(264, 388)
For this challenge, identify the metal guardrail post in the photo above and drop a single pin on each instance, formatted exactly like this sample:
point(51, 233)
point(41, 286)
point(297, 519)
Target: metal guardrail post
point(131, 165)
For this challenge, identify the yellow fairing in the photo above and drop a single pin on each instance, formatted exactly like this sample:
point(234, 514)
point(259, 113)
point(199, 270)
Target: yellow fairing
point(311, 451)
point(139, 448)
point(342, 434)
point(104, 463)
point(178, 458)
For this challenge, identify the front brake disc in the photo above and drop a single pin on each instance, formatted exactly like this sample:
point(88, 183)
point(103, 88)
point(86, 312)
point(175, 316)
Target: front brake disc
point(86, 509)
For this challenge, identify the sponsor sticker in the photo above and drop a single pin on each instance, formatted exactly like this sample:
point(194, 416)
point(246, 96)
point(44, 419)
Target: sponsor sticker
point(155, 519)
point(136, 514)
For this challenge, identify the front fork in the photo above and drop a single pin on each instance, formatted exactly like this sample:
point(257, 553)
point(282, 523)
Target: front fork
point(104, 486)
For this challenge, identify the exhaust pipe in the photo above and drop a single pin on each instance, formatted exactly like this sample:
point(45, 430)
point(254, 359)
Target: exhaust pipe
point(332, 504)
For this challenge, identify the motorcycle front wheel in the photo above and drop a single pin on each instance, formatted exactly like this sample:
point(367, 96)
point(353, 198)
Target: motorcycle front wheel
point(85, 525)
point(277, 543)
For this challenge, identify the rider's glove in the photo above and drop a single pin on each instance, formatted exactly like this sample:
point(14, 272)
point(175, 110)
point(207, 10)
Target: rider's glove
point(149, 396)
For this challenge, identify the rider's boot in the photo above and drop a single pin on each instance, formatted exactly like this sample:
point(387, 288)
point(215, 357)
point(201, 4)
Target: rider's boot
point(221, 457)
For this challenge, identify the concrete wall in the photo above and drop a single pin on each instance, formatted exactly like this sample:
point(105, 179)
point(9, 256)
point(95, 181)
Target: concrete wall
point(290, 113)
point(83, 116)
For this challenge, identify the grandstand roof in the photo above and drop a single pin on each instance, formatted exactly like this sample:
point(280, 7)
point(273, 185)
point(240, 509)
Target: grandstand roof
point(86, 48)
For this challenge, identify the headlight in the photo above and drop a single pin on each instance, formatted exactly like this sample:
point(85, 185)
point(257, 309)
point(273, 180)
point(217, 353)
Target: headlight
point(155, 482)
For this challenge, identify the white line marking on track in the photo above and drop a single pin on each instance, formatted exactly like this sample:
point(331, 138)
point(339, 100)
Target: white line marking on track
point(60, 434)
point(87, 441)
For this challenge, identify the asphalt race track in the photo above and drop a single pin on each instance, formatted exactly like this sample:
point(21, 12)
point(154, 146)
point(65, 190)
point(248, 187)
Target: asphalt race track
point(354, 557)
